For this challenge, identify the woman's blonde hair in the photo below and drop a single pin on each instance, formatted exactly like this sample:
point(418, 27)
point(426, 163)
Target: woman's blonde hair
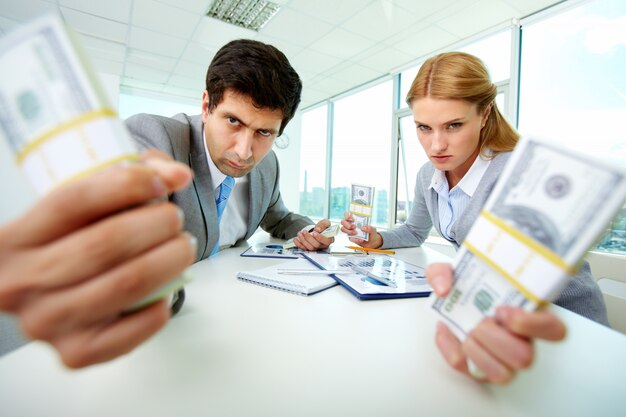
point(461, 76)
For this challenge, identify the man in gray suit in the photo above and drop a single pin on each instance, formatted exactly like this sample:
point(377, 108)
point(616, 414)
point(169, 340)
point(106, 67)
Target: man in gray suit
point(251, 94)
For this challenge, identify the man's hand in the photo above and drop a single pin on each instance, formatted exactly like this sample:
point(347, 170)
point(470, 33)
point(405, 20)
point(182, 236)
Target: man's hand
point(349, 227)
point(79, 258)
point(314, 240)
point(500, 346)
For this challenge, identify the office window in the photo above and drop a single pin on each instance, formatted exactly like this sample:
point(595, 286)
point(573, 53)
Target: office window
point(313, 162)
point(361, 149)
point(573, 88)
point(411, 157)
point(495, 52)
point(500, 102)
point(406, 79)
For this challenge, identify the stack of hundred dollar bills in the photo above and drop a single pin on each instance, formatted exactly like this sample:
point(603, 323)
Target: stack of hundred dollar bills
point(548, 208)
point(361, 206)
point(54, 115)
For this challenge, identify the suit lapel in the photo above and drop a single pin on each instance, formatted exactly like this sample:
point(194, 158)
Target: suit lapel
point(255, 209)
point(203, 184)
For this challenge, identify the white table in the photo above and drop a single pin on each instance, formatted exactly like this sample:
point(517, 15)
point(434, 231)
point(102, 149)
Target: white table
point(237, 349)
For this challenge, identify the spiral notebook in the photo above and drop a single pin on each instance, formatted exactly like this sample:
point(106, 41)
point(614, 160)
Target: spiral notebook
point(296, 284)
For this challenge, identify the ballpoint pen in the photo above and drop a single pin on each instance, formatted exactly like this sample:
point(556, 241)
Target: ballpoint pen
point(388, 252)
point(314, 271)
point(333, 252)
point(380, 279)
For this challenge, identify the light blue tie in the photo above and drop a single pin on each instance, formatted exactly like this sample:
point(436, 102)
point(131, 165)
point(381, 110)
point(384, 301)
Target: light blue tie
point(220, 202)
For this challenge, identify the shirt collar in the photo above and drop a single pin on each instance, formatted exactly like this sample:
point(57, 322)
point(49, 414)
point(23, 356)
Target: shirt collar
point(470, 180)
point(438, 181)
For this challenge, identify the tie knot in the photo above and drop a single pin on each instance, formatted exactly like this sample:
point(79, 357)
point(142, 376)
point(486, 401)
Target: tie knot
point(228, 182)
point(225, 188)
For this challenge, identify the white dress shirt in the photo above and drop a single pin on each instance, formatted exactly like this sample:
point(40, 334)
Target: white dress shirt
point(452, 203)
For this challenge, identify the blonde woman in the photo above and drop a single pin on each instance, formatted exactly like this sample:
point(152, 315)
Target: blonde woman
point(468, 142)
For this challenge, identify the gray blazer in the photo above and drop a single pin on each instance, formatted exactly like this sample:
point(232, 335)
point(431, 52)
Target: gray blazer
point(181, 136)
point(582, 295)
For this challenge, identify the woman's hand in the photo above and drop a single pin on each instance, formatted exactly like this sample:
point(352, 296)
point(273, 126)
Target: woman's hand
point(348, 226)
point(499, 346)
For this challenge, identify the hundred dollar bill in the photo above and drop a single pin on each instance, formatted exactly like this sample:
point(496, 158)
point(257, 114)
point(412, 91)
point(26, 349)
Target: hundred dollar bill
point(331, 231)
point(548, 208)
point(53, 114)
point(361, 206)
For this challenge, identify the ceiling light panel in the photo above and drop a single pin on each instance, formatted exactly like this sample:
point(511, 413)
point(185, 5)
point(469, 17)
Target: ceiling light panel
point(249, 14)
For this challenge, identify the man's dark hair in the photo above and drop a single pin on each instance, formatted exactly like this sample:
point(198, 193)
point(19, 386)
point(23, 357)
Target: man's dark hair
point(257, 70)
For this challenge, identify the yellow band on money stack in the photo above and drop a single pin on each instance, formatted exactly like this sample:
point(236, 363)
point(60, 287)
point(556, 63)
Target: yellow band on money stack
point(56, 118)
point(531, 267)
point(548, 207)
point(94, 139)
point(361, 209)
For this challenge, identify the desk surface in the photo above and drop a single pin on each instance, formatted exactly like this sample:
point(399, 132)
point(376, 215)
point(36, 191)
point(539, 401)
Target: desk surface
point(238, 349)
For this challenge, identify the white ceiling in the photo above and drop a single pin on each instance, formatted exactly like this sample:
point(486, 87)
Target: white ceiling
point(165, 46)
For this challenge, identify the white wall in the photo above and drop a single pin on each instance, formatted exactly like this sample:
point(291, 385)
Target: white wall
point(131, 103)
point(289, 160)
point(111, 85)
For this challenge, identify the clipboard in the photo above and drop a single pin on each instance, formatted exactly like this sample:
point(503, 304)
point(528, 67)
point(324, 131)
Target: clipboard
point(364, 287)
point(271, 250)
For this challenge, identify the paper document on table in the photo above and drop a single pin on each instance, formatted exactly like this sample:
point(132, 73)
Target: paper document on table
point(270, 250)
point(386, 269)
point(55, 117)
point(331, 231)
point(361, 208)
point(375, 276)
point(549, 206)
